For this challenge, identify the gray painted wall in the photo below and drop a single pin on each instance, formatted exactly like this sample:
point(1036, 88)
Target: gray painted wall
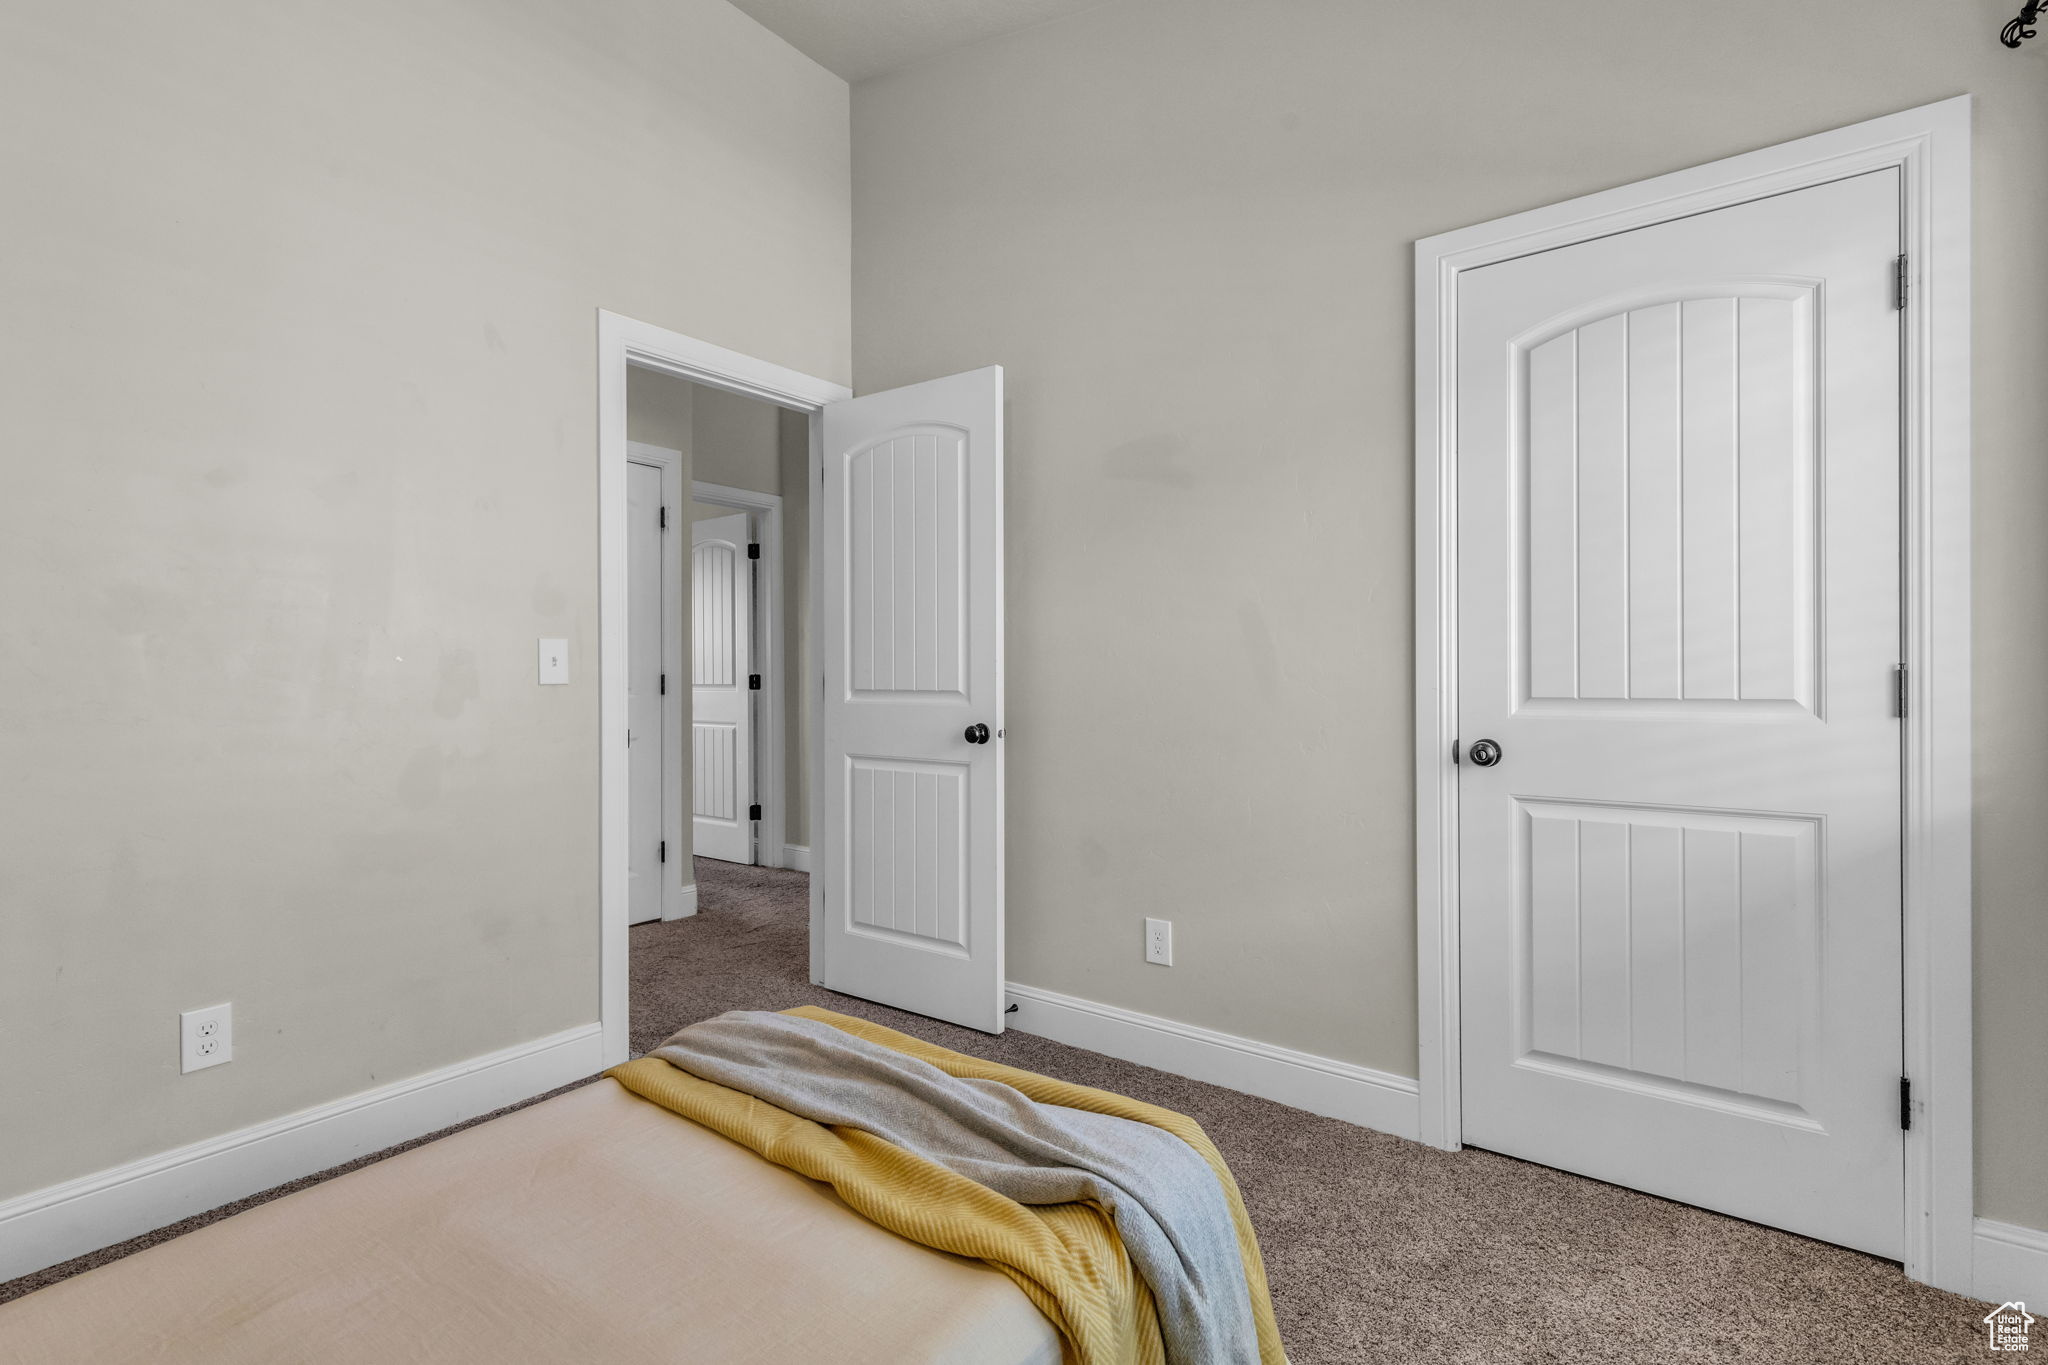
point(301, 406)
point(1185, 229)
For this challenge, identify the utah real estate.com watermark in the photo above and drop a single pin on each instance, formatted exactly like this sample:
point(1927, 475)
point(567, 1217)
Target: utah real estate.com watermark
point(2007, 1325)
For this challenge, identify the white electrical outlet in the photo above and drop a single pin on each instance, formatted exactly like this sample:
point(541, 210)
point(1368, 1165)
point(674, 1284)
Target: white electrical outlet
point(1159, 941)
point(206, 1037)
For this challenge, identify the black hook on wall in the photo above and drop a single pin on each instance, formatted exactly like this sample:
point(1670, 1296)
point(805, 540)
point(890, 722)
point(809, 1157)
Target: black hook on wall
point(2022, 26)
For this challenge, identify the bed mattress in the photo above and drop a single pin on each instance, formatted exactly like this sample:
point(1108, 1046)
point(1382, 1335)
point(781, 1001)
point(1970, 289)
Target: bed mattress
point(593, 1227)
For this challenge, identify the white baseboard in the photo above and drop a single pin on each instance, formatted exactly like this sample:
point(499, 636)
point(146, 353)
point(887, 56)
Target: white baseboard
point(796, 856)
point(685, 902)
point(1321, 1085)
point(2010, 1264)
point(51, 1225)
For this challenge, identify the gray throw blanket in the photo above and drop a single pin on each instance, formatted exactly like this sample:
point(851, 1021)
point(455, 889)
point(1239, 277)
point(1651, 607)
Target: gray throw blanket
point(1168, 1207)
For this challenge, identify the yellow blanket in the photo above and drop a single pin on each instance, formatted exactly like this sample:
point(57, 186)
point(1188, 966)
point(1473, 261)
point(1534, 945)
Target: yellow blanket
point(1066, 1257)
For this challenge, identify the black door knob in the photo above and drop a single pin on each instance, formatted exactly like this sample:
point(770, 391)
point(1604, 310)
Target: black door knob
point(977, 733)
point(1484, 753)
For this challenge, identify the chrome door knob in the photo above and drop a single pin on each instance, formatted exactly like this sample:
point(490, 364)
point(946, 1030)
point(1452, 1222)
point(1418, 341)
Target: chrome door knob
point(1484, 753)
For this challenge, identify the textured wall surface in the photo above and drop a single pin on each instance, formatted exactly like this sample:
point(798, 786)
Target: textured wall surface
point(1186, 230)
point(298, 389)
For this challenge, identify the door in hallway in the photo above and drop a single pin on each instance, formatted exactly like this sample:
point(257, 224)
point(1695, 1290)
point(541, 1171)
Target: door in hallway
point(722, 688)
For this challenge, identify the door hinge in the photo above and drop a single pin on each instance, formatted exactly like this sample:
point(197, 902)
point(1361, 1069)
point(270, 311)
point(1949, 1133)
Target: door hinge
point(1899, 283)
point(1900, 693)
point(664, 684)
point(753, 812)
point(664, 518)
point(753, 552)
point(664, 850)
point(1905, 1105)
point(753, 682)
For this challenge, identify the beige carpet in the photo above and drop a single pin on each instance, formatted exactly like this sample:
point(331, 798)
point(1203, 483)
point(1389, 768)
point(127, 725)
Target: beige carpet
point(1379, 1249)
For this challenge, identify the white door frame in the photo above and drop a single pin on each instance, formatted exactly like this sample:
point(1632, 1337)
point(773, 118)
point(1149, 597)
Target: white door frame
point(678, 882)
point(1930, 146)
point(623, 342)
point(767, 658)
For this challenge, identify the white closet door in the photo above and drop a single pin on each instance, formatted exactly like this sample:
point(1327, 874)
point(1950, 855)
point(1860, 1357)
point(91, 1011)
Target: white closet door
point(1679, 617)
point(910, 798)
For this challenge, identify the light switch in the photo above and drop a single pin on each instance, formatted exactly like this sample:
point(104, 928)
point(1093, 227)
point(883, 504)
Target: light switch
point(554, 661)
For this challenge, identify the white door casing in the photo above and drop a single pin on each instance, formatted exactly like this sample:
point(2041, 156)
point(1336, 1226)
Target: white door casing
point(721, 699)
point(1679, 618)
point(623, 344)
point(908, 847)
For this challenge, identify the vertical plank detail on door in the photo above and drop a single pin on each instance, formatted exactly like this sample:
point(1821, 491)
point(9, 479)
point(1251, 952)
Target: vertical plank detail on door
point(1656, 910)
point(906, 495)
point(714, 771)
point(1774, 513)
point(1712, 898)
point(1552, 978)
point(712, 566)
point(1606, 976)
point(1779, 975)
point(1673, 944)
point(915, 813)
point(1669, 504)
point(1708, 399)
point(1656, 542)
point(1602, 522)
point(1552, 483)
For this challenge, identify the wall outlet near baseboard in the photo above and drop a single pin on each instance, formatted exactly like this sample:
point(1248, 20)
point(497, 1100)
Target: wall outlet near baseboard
point(1159, 941)
point(206, 1037)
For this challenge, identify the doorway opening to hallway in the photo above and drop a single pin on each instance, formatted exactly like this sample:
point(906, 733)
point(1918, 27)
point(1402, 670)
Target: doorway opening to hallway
point(716, 740)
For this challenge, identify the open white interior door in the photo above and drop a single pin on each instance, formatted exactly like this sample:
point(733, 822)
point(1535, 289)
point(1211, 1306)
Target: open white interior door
point(910, 793)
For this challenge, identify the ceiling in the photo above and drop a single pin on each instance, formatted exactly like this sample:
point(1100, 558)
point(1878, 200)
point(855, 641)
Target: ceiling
point(868, 37)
